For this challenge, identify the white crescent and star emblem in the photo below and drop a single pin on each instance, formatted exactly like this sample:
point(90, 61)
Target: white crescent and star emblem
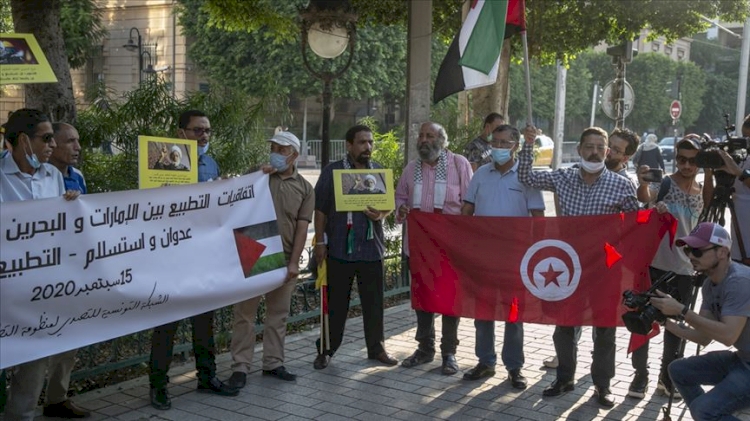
point(551, 270)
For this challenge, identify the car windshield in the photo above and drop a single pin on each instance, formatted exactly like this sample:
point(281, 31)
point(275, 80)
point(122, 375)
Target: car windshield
point(667, 141)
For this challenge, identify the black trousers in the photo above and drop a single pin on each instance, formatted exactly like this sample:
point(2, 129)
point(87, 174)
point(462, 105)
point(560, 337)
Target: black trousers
point(603, 364)
point(426, 333)
point(682, 289)
point(369, 277)
point(162, 343)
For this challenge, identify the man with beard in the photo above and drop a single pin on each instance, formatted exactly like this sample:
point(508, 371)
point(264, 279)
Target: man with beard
point(434, 182)
point(684, 198)
point(352, 246)
point(496, 191)
point(587, 190)
point(478, 150)
point(622, 145)
point(723, 317)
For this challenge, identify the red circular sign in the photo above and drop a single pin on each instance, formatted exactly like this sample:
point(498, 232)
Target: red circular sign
point(675, 110)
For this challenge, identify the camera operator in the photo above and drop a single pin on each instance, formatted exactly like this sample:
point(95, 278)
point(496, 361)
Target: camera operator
point(740, 199)
point(723, 317)
point(682, 196)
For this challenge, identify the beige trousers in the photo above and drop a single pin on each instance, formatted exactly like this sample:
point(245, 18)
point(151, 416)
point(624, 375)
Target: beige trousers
point(274, 330)
point(27, 381)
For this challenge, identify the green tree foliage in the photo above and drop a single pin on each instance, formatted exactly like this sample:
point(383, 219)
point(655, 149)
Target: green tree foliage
point(261, 62)
point(238, 142)
point(81, 22)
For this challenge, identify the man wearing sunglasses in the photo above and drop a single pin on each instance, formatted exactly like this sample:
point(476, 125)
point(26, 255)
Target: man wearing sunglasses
point(193, 125)
point(723, 317)
point(683, 197)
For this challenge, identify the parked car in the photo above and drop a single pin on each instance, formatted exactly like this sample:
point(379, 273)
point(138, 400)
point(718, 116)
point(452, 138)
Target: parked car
point(667, 148)
point(543, 149)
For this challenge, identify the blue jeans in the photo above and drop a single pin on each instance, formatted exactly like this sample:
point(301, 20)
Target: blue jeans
point(725, 371)
point(512, 344)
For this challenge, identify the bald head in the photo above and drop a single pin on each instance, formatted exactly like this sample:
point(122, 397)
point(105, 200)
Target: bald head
point(68, 148)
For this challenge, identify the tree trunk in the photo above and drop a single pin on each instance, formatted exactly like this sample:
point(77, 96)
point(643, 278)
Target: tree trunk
point(42, 18)
point(494, 98)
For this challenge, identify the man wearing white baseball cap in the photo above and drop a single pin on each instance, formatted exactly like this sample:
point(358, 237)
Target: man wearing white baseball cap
point(723, 317)
point(294, 202)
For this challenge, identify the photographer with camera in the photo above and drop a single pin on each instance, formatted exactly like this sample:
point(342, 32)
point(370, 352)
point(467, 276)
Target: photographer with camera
point(682, 196)
point(723, 317)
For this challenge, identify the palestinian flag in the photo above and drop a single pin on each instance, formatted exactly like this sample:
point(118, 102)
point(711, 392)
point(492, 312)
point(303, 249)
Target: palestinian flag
point(474, 54)
point(259, 248)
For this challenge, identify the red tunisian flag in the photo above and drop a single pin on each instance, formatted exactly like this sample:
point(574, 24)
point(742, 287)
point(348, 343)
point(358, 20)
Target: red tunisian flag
point(568, 271)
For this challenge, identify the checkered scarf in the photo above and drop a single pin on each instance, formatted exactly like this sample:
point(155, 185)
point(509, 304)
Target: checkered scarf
point(441, 182)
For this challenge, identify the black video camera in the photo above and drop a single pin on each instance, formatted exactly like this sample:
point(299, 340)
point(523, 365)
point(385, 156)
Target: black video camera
point(737, 147)
point(644, 314)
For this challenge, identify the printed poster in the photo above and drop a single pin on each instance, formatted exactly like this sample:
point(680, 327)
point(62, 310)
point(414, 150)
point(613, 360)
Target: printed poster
point(355, 190)
point(164, 162)
point(22, 61)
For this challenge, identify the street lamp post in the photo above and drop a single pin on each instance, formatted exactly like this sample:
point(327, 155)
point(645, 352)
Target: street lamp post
point(132, 46)
point(328, 29)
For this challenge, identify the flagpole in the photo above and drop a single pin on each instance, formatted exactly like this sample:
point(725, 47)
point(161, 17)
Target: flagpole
point(527, 70)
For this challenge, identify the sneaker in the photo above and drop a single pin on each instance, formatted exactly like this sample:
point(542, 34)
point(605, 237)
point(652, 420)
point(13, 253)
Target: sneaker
point(551, 362)
point(639, 386)
point(664, 390)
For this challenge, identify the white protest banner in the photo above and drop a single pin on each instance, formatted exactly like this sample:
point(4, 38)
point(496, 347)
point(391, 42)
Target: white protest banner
point(74, 273)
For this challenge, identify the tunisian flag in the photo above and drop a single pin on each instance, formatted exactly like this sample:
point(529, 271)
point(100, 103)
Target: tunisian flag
point(568, 271)
point(474, 55)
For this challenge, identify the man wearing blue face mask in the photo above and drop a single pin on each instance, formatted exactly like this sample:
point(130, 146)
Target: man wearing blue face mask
point(294, 202)
point(587, 190)
point(495, 191)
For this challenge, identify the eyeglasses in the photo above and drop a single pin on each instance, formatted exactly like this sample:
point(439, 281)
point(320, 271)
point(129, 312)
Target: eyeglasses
point(46, 138)
point(502, 143)
point(199, 131)
point(697, 252)
point(682, 160)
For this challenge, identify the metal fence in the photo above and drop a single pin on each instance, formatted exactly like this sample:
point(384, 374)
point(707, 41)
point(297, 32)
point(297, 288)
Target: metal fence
point(337, 150)
point(116, 360)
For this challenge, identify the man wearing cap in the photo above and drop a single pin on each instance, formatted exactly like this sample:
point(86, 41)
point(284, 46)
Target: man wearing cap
point(723, 317)
point(193, 125)
point(435, 182)
point(25, 174)
point(294, 202)
point(173, 163)
point(684, 197)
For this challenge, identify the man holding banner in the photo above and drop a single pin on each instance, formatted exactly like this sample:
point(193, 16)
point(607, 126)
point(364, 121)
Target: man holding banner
point(496, 191)
point(588, 190)
point(434, 182)
point(193, 125)
point(26, 175)
point(294, 202)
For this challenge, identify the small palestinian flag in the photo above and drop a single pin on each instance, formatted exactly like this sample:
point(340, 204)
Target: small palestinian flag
point(259, 248)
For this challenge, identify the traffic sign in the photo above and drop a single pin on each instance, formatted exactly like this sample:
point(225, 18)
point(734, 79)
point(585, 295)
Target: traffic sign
point(675, 109)
point(609, 103)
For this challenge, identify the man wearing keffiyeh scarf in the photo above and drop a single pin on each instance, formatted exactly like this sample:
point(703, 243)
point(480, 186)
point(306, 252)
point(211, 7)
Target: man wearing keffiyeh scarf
point(435, 182)
point(353, 246)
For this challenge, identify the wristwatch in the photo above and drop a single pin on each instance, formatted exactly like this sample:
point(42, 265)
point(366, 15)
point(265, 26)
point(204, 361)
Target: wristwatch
point(745, 175)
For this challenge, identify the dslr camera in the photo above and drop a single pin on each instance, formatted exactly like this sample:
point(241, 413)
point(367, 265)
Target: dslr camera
point(643, 314)
point(737, 147)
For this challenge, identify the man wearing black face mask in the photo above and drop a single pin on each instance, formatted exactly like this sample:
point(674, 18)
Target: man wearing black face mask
point(26, 175)
point(294, 202)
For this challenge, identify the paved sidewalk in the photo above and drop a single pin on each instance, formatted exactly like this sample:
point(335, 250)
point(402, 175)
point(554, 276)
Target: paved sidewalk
point(354, 388)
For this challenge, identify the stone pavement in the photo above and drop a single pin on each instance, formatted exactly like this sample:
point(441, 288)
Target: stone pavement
point(354, 388)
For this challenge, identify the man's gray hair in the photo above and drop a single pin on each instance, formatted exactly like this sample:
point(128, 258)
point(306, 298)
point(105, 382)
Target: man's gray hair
point(442, 135)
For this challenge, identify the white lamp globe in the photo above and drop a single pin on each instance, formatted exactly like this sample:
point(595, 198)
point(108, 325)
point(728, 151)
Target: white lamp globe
point(327, 43)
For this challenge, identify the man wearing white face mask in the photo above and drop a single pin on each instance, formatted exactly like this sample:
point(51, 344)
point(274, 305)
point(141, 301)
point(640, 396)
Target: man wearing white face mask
point(588, 190)
point(294, 202)
point(495, 191)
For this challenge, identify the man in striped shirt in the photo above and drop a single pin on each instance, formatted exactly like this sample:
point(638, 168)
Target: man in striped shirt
point(434, 182)
point(589, 189)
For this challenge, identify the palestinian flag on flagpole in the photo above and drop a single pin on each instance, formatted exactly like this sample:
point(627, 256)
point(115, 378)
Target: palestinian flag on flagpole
point(474, 55)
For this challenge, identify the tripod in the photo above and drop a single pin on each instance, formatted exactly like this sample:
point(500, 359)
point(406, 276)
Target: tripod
point(721, 199)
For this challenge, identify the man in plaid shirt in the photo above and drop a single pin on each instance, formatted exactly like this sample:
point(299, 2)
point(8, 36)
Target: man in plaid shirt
point(590, 189)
